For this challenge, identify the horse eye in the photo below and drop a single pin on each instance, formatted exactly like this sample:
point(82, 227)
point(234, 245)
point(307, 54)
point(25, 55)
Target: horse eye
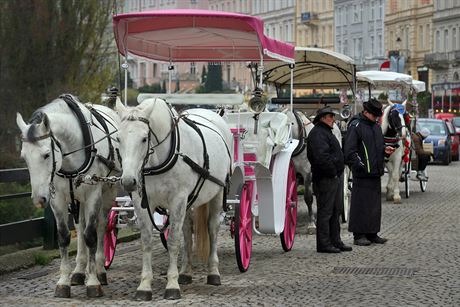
point(144, 140)
point(46, 156)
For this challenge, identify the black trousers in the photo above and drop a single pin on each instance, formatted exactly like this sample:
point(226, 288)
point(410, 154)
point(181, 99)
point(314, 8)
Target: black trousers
point(423, 162)
point(327, 192)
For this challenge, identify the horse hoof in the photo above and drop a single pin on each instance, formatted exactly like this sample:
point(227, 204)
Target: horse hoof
point(172, 294)
point(214, 280)
point(142, 295)
point(77, 279)
point(184, 279)
point(94, 291)
point(62, 291)
point(102, 277)
point(397, 201)
point(389, 198)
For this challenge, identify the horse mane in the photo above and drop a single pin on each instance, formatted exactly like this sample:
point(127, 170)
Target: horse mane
point(55, 106)
point(384, 118)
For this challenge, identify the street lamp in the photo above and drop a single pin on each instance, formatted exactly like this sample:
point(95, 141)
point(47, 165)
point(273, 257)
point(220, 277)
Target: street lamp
point(398, 45)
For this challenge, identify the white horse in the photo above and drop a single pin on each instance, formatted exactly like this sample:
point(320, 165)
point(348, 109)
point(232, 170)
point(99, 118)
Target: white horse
point(394, 131)
point(301, 127)
point(63, 142)
point(164, 157)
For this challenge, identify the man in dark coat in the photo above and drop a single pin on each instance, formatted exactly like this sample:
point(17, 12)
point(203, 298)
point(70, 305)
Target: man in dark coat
point(326, 158)
point(364, 153)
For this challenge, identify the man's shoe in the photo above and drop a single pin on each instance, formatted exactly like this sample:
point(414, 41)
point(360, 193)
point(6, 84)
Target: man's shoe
point(377, 240)
point(362, 241)
point(328, 249)
point(343, 247)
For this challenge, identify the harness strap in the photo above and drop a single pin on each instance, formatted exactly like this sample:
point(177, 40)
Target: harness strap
point(74, 205)
point(301, 146)
point(90, 150)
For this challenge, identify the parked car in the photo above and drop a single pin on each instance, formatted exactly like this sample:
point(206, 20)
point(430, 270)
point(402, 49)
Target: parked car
point(439, 136)
point(444, 116)
point(455, 140)
point(456, 123)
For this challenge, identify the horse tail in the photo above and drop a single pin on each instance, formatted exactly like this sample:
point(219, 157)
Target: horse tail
point(201, 234)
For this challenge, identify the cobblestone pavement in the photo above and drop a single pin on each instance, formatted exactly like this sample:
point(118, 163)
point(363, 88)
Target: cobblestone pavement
point(419, 265)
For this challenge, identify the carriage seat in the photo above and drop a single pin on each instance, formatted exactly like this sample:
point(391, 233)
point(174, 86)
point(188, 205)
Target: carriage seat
point(273, 135)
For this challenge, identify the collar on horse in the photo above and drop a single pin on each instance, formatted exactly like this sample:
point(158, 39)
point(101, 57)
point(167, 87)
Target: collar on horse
point(302, 135)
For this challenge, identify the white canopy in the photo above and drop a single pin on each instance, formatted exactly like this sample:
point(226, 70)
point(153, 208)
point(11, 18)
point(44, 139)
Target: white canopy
point(314, 68)
point(384, 79)
point(418, 86)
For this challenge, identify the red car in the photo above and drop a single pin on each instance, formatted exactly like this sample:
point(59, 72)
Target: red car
point(455, 137)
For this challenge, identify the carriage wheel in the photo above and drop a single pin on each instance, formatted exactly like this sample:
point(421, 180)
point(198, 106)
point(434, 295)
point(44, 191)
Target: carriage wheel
point(290, 220)
point(407, 167)
point(164, 235)
point(243, 227)
point(423, 183)
point(110, 239)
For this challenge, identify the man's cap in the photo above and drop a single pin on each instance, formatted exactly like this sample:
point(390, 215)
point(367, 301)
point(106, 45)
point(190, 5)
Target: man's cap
point(373, 106)
point(322, 112)
point(425, 132)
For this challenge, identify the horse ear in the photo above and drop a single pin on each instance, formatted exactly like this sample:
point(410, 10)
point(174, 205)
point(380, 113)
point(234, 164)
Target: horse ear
point(20, 122)
point(390, 102)
point(46, 121)
point(119, 107)
point(146, 107)
point(404, 103)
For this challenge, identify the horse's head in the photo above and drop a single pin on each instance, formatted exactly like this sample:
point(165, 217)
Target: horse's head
point(394, 116)
point(41, 153)
point(134, 137)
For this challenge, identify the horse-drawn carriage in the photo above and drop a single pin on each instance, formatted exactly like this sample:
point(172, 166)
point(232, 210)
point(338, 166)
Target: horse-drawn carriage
point(314, 69)
point(397, 124)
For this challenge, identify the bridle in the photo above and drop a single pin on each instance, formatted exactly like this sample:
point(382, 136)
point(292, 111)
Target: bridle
point(89, 148)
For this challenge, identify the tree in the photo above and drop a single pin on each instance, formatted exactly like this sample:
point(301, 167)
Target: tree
point(49, 47)
point(213, 78)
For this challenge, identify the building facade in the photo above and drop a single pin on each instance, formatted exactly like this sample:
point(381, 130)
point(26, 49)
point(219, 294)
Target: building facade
point(408, 26)
point(315, 23)
point(359, 31)
point(146, 72)
point(444, 60)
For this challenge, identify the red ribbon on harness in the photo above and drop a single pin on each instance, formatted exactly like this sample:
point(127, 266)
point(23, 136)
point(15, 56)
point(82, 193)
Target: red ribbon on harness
point(406, 151)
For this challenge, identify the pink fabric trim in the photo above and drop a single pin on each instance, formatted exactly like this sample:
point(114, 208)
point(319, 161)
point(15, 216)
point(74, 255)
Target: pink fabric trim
point(196, 35)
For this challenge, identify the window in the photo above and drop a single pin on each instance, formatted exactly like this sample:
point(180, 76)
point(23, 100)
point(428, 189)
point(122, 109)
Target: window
point(372, 46)
point(381, 9)
point(446, 40)
point(438, 41)
point(454, 39)
point(372, 11)
point(193, 68)
point(427, 37)
point(380, 48)
point(355, 13)
point(420, 37)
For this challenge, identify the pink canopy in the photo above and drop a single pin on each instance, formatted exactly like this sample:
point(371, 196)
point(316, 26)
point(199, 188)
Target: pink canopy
point(197, 35)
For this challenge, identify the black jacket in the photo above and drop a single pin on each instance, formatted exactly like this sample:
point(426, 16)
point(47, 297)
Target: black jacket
point(364, 147)
point(324, 153)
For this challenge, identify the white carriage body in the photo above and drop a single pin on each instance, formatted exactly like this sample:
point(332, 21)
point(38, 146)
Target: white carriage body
point(269, 161)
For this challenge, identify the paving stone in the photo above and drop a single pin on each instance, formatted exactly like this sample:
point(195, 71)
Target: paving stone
point(423, 235)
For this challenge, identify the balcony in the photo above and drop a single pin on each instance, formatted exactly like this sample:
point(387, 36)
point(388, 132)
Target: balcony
point(309, 18)
point(457, 56)
point(437, 60)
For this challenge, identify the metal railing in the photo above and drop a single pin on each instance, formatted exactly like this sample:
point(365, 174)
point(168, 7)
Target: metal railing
point(23, 231)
